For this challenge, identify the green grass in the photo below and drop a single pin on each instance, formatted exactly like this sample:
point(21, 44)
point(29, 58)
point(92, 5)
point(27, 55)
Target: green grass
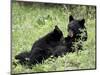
point(34, 20)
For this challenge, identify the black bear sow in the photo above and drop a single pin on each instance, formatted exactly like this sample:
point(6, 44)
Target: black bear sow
point(42, 48)
point(76, 33)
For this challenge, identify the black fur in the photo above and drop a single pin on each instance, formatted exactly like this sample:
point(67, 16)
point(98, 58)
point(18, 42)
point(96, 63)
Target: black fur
point(76, 33)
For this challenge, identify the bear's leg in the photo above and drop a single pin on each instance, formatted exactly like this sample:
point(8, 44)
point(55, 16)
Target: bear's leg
point(22, 57)
point(38, 55)
point(59, 51)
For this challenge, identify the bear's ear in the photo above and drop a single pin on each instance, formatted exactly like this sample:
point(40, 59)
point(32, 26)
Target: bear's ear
point(71, 18)
point(82, 22)
point(56, 28)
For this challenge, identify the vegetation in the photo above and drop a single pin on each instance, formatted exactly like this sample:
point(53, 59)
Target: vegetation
point(30, 21)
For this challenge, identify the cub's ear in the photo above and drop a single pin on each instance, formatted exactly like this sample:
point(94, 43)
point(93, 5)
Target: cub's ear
point(71, 18)
point(82, 22)
point(56, 28)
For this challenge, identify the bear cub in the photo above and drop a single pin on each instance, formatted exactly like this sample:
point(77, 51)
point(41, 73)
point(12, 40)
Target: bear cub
point(77, 33)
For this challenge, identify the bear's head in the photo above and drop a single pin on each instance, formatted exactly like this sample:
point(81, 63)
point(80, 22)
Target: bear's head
point(55, 35)
point(77, 29)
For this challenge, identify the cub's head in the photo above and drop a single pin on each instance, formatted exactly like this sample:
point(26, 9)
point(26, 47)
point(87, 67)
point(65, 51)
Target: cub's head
point(76, 28)
point(55, 35)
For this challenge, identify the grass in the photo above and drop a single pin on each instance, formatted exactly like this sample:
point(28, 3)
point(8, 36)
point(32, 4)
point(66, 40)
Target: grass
point(34, 20)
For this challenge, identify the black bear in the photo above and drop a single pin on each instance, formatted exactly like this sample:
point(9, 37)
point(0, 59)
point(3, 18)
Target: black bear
point(42, 48)
point(77, 32)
